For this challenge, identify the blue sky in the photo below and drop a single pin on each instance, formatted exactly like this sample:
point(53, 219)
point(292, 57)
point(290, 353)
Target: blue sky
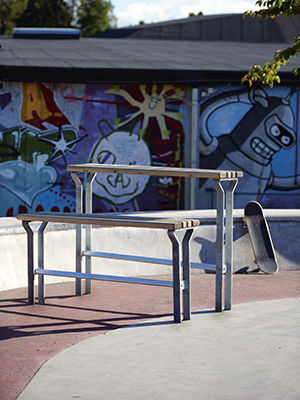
point(131, 12)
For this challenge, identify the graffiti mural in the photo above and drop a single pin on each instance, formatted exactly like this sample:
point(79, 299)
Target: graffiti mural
point(120, 147)
point(45, 126)
point(255, 131)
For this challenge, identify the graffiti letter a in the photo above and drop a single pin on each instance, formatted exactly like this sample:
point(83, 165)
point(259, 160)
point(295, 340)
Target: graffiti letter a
point(38, 106)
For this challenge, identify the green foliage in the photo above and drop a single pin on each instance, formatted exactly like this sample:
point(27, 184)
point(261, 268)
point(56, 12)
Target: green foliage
point(273, 8)
point(95, 16)
point(45, 13)
point(10, 10)
point(91, 16)
point(268, 73)
point(194, 15)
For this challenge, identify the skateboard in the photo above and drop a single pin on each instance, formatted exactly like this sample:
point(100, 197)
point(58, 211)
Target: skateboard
point(260, 238)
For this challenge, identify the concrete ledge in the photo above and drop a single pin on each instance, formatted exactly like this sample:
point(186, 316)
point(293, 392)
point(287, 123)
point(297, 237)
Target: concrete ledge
point(284, 226)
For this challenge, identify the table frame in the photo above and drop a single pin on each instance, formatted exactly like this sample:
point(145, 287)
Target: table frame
point(224, 220)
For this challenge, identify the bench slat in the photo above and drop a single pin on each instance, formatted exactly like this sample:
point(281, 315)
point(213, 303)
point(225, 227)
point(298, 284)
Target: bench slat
point(91, 219)
point(154, 171)
point(189, 222)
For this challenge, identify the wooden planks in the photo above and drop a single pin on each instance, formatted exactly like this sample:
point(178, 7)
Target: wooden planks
point(96, 219)
point(154, 171)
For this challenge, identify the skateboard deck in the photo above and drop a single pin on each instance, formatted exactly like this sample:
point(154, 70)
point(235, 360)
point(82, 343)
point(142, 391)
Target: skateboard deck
point(260, 238)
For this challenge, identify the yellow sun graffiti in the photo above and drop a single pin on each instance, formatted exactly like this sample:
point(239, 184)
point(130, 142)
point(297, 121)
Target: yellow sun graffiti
point(153, 105)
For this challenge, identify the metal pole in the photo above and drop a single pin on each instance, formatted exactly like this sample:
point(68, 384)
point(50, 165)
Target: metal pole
point(176, 276)
point(88, 229)
point(41, 283)
point(194, 146)
point(219, 245)
point(30, 262)
point(78, 261)
point(228, 243)
point(186, 264)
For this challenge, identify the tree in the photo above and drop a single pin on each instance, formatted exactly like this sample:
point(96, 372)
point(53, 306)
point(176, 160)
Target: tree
point(268, 73)
point(95, 16)
point(10, 11)
point(194, 15)
point(47, 13)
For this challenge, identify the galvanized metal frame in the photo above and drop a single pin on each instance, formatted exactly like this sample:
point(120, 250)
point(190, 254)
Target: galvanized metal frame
point(78, 186)
point(229, 243)
point(41, 246)
point(88, 229)
point(224, 242)
point(224, 236)
point(180, 283)
point(180, 253)
point(30, 261)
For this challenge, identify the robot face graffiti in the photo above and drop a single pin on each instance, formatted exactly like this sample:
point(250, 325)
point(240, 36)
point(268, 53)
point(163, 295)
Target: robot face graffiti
point(274, 133)
point(124, 148)
point(281, 133)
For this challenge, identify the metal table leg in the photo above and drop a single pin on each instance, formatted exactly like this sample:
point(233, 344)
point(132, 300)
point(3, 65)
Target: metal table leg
point(228, 243)
point(78, 184)
point(186, 274)
point(41, 284)
point(219, 245)
point(88, 229)
point(176, 276)
point(30, 263)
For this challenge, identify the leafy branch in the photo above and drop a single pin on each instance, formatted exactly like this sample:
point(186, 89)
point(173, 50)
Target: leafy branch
point(268, 73)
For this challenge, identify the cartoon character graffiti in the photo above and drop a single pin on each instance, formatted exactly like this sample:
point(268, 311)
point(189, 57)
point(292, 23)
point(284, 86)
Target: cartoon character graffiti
point(25, 172)
point(265, 129)
point(152, 103)
point(119, 147)
point(27, 181)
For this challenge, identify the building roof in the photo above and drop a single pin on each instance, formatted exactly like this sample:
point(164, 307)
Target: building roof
point(132, 60)
point(224, 28)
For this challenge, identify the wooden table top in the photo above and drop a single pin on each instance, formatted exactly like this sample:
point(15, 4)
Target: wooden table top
point(154, 171)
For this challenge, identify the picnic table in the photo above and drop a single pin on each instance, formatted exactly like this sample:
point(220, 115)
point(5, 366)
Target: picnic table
point(224, 183)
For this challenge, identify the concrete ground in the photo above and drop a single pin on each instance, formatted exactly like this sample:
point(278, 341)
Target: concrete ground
point(252, 351)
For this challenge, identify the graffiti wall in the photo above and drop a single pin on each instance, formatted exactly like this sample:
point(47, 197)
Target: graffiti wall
point(44, 127)
point(255, 131)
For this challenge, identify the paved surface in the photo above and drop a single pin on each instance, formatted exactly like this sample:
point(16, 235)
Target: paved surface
point(250, 352)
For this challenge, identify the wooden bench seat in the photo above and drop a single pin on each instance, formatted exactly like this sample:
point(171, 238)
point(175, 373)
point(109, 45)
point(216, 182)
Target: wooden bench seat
point(181, 285)
point(97, 219)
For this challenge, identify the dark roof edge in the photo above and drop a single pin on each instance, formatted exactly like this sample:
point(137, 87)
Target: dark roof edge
point(109, 75)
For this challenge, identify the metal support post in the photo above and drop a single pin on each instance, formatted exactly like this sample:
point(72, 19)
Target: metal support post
point(176, 275)
point(78, 261)
point(41, 283)
point(88, 229)
point(228, 243)
point(30, 262)
point(186, 264)
point(219, 245)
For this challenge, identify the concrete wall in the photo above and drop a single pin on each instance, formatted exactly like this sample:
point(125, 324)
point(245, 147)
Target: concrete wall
point(60, 245)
